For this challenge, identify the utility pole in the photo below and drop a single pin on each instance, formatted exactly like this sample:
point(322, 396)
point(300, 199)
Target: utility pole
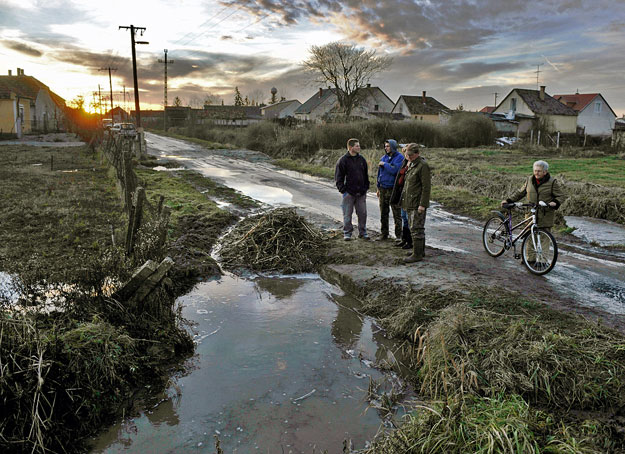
point(165, 61)
point(111, 90)
point(133, 30)
point(538, 71)
point(100, 101)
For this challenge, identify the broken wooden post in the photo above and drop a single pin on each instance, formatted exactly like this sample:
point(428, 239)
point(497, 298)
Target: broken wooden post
point(153, 280)
point(130, 287)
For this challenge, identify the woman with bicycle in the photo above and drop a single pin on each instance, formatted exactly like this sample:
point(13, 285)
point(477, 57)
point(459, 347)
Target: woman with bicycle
point(540, 187)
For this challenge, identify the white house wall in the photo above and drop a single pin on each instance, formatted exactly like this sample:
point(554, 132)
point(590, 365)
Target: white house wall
point(402, 108)
point(596, 124)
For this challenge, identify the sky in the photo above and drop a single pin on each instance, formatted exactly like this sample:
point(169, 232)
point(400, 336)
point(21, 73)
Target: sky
point(460, 52)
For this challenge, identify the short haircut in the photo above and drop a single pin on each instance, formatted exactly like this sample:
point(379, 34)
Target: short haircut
point(352, 142)
point(542, 164)
point(412, 148)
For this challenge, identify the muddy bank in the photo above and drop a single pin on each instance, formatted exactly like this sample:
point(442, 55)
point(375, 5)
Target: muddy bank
point(75, 351)
point(490, 352)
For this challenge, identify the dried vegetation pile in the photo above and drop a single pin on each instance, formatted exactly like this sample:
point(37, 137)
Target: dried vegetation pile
point(278, 240)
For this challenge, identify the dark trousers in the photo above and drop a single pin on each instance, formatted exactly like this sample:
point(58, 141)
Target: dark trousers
point(385, 208)
point(417, 224)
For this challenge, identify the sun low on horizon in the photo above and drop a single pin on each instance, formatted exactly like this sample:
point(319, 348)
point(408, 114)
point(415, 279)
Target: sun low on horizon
point(459, 52)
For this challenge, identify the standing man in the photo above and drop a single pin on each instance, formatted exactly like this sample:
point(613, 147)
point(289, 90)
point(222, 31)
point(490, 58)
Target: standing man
point(388, 167)
point(415, 199)
point(352, 180)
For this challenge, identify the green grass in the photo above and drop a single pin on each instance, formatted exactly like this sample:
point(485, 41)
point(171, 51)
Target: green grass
point(309, 169)
point(49, 215)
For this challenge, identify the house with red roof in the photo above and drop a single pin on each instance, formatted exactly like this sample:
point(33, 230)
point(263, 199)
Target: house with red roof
point(595, 117)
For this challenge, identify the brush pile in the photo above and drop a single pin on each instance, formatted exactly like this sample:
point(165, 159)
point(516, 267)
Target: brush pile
point(278, 240)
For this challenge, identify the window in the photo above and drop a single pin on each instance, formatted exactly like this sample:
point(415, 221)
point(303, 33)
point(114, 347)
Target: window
point(598, 107)
point(375, 108)
point(513, 104)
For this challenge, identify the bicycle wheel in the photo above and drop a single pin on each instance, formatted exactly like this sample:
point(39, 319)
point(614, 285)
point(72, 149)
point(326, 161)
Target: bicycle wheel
point(539, 252)
point(494, 236)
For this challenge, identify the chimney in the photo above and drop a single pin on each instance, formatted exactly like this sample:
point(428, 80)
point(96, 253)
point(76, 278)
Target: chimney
point(424, 101)
point(10, 72)
point(320, 92)
point(541, 95)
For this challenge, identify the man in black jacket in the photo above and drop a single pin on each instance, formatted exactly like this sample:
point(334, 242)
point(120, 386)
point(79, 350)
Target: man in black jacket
point(352, 180)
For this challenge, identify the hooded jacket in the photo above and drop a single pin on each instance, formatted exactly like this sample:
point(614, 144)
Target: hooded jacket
point(392, 164)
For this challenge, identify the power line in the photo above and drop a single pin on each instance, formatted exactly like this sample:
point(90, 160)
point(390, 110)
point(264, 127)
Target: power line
point(204, 23)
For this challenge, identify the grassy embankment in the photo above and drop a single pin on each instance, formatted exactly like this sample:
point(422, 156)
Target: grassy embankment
point(502, 373)
point(71, 367)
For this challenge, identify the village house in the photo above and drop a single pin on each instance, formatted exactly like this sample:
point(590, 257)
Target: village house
point(14, 113)
point(31, 103)
point(527, 106)
point(595, 117)
point(422, 108)
point(282, 109)
point(324, 104)
point(120, 115)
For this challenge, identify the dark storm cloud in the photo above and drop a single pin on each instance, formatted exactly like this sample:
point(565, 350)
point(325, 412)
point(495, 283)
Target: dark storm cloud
point(22, 48)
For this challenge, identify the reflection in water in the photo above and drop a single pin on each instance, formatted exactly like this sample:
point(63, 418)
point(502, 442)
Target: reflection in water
point(267, 376)
point(280, 288)
point(347, 325)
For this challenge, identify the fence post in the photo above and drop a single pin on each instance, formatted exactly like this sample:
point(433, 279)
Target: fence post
point(538, 138)
point(558, 140)
point(134, 221)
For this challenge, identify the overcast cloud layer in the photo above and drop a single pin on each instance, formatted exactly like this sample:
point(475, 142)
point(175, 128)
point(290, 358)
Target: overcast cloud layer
point(459, 51)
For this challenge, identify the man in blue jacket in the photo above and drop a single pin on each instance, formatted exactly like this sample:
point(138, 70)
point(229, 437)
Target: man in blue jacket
point(388, 167)
point(352, 180)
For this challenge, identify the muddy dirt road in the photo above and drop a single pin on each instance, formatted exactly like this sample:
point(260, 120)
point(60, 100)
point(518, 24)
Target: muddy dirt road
point(588, 280)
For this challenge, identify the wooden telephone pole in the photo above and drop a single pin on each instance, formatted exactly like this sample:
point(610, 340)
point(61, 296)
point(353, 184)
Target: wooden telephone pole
point(166, 62)
point(133, 30)
point(111, 88)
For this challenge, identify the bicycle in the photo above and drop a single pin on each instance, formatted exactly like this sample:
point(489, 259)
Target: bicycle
point(539, 250)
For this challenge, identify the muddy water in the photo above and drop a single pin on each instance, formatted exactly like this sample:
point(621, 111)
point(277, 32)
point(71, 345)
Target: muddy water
point(281, 365)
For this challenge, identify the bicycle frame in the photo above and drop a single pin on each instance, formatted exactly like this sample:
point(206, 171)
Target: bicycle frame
point(529, 225)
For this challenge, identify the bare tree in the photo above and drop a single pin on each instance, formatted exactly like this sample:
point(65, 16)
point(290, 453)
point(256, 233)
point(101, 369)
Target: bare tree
point(210, 99)
point(256, 96)
point(345, 67)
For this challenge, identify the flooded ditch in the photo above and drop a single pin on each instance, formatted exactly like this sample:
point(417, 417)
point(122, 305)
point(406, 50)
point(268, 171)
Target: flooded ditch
point(282, 364)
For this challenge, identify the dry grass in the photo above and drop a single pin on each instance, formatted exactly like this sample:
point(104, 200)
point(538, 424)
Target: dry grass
point(492, 425)
point(278, 240)
point(474, 341)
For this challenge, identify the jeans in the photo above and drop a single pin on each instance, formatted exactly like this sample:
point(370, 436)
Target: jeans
point(351, 202)
point(404, 219)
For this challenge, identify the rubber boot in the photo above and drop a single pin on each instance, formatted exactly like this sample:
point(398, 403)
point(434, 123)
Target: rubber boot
point(405, 237)
point(418, 251)
point(408, 244)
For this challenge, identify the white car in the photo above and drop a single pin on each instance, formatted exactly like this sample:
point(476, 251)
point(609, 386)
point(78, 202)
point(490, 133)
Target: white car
point(124, 129)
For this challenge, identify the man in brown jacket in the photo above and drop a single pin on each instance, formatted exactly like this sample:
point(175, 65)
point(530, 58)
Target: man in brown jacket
point(540, 187)
point(415, 199)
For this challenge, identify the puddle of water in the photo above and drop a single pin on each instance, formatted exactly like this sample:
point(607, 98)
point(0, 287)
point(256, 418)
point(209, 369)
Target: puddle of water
point(605, 233)
point(278, 366)
point(167, 169)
